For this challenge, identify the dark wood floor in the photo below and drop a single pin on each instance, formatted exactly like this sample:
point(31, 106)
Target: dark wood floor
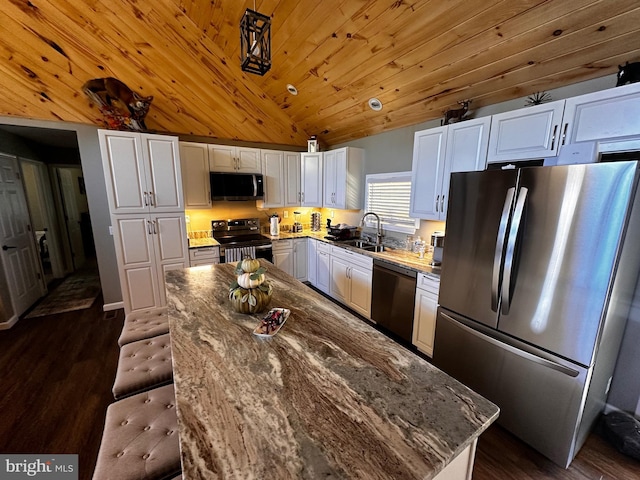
point(57, 374)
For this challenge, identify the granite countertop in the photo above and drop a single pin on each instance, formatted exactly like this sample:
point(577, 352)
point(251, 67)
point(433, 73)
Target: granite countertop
point(393, 255)
point(203, 242)
point(327, 397)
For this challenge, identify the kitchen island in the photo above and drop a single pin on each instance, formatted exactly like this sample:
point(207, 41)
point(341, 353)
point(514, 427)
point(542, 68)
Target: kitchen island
point(328, 396)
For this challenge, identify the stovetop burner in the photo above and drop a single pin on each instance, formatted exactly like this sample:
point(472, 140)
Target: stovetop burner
point(239, 232)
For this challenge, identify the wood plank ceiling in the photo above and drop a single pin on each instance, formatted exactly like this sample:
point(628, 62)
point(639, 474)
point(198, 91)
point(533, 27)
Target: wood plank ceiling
point(419, 57)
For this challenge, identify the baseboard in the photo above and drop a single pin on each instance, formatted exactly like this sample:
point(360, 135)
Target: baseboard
point(9, 323)
point(112, 306)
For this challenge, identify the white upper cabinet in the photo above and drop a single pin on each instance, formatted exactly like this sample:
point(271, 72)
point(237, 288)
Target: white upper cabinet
point(426, 173)
point(194, 159)
point(438, 152)
point(225, 158)
point(609, 114)
point(466, 151)
point(293, 190)
point(274, 178)
point(281, 172)
point(311, 179)
point(527, 133)
point(344, 178)
point(142, 172)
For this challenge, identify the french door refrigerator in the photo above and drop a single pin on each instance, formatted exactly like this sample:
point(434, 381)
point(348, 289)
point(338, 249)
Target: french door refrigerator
point(536, 285)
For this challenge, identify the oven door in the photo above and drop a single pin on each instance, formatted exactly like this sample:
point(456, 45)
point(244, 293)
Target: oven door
point(265, 251)
point(233, 253)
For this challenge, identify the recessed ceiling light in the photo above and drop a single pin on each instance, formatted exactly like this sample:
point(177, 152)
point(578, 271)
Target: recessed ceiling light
point(375, 104)
point(292, 90)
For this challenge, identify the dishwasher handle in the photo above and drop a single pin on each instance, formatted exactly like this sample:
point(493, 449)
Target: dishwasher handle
point(395, 268)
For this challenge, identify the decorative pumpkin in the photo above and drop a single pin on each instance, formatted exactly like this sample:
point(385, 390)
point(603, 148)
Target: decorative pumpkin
point(252, 300)
point(250, 280)
point(249, 265)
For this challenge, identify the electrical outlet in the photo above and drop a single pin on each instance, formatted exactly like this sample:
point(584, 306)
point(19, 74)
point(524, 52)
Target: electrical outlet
point(333, 214)
point(286, 214)
point(187, 219)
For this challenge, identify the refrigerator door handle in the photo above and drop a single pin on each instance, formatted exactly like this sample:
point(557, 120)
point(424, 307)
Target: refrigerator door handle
point(516, 351)
point(497, 259)
point(511, 249)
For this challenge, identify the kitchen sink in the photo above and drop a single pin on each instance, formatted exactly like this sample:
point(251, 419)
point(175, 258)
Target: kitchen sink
point(364, 245)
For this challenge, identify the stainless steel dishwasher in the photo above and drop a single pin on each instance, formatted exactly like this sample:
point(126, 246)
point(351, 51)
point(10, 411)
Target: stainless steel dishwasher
point(394, 293)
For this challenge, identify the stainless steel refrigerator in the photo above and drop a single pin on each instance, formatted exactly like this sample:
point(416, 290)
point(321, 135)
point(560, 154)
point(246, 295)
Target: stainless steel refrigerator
point(539, 270)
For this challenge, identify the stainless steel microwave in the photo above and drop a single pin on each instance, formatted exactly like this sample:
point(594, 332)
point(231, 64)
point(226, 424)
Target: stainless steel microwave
point(236, 186)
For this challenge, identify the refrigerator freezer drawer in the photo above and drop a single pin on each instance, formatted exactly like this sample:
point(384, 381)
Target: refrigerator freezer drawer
point(540, 398)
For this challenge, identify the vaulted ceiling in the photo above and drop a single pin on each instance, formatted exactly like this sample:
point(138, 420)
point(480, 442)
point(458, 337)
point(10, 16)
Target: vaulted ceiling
point(419, 57)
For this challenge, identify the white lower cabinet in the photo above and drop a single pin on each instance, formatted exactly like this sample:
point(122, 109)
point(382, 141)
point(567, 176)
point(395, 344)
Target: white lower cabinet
point(351, 279)
point(300, 259)
point(291, 256)
point(424, 316)
point(146, 247)
point(199, 256)
point(283, 255)
point(323, 267)
point(312, 261)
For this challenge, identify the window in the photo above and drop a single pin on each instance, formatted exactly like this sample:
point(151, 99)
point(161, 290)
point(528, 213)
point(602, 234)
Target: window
point(389, 195)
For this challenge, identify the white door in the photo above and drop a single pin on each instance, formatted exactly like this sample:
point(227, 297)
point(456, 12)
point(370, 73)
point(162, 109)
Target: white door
point(427, 172)
point(312, 261)
point(528, 133)
point(300, 255)
point(424, 320)
point(68, 182)
point(43, 217)
point(340, 283)
point(274, 178)
point(194, 162)
point(124, 171)
point(311, 179)
point(222, 158)
point(162, 170)
point(361, 286)
point(607, 114)
point(248, 160)
point(133, 239)
point(329, 179)
point(283, 259)
point(323, 272)
point(18, 250)
point(466, 152)
point(340, 182)
point(292, 175)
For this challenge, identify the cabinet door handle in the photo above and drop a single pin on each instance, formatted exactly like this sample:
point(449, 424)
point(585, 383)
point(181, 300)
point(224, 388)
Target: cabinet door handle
point(553, 138)
point(149, 231)
point(437, 201)
point(152, 200)
point(301, 197)
point(564, 132)
point(155, 231)
point(442, 204)
point(145, 196)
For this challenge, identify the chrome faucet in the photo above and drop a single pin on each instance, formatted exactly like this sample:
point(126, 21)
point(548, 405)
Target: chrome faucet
point(379, 233)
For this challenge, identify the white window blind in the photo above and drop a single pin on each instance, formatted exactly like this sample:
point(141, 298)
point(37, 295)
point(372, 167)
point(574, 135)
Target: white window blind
point(389, 195)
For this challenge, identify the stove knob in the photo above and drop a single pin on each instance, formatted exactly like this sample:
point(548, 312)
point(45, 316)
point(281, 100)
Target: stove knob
point(221, 224)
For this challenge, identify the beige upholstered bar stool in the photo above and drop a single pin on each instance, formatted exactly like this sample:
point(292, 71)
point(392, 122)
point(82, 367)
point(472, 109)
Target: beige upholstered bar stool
point(140, 438)
point(139, 325)
point(143, 365)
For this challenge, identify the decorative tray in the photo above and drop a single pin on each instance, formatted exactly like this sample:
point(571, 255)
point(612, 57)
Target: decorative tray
point(272, 322)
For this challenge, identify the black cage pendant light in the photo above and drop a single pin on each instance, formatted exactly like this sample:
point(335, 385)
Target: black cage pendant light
point(255, 42)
